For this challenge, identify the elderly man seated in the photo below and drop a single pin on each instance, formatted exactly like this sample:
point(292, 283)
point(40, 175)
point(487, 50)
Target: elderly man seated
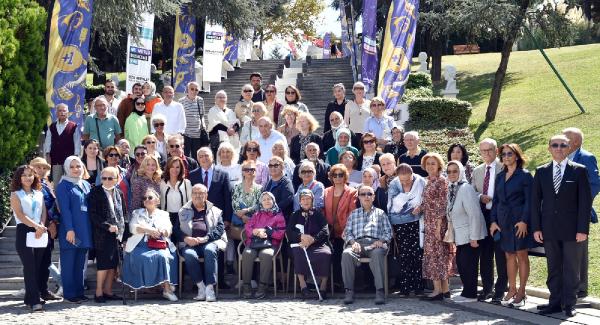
point(367, 234)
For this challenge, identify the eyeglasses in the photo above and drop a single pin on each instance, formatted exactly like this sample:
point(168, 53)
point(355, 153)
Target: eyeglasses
point(308, 171)
point(482, 150)
point(194, 89)
point(158, 124)
point(150, 142)
point(368, 194)
point(507, 154)
point(290, 93)
point(559, 145)
point(274, 165)
point(174, 146)
point(377, 105)
point(338, 175)
point(269, 91)
point(249, 170)
point(451, 172)
point(250, 149)
point(148, 198)
point(247, 90)
point(139, 104)
point(199, 193)
point(369, 141)
point(113, 155)
point(108, 178)
point(140, 154)
point(359, 88)
point(256, 111)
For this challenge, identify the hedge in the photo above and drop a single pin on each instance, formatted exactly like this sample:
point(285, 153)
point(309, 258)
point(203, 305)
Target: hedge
point(412, 93)
point(438, 112)
point(440, 140)
point(418, 80)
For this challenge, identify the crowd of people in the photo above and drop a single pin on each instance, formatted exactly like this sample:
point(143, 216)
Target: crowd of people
point(257, 183)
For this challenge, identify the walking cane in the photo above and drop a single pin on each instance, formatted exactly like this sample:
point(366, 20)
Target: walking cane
point(312, 273)
point(120, 253)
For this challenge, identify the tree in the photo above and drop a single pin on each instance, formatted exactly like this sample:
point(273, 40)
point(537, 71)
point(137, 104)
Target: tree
point(23, 109)
point(297, 15)
point(276, 53)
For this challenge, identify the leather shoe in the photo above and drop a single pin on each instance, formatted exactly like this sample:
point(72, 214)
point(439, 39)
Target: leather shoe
point(50, 296)
point(99, 299)
point(582, 294)
point(542, 306)
point(550, 310)
point(570, 311)
point(484, 296)
point(447, 295)
point(497, 299)
point(439, 296)
point(111, 297)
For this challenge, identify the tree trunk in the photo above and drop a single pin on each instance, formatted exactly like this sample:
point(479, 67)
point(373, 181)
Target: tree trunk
point(436, 50)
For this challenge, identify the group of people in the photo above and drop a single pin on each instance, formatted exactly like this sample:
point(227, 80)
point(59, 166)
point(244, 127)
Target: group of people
point(363, 192)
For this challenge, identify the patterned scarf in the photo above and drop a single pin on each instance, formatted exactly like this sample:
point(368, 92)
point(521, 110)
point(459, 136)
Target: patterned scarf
point(304, 141)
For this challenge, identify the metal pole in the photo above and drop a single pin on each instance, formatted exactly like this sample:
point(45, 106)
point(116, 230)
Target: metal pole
point(353, 22)
point(564, 83)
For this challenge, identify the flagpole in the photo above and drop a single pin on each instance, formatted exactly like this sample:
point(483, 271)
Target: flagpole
point(352, 37)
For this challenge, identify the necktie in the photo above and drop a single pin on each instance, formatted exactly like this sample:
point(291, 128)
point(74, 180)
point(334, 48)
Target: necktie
point(557, 178)
point(206, 179)
point(486, 180)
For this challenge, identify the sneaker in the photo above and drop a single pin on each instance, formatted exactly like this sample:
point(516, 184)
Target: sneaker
point(462, 300)
point(83, 298)
point(261, 292)
point(170, 296)
point(210, 293)
point(379, 297)
point(201, 292)
point(246, 291)
point(49, 296)
point(37, 308)
point(76, 301)
point(19, 294)
point(349, 298)
point(59, 292)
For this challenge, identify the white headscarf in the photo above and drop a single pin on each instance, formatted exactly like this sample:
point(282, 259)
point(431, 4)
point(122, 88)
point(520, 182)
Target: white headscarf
point(67, 168)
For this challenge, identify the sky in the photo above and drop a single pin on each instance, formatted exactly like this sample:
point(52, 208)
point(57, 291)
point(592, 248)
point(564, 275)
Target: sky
point(329, 21)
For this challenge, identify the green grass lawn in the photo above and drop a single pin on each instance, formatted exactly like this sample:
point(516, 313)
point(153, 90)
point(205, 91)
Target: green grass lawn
point(535, 106)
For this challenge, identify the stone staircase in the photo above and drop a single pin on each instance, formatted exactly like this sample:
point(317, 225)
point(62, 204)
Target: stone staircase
point(316, 83)
point(289, 78)
point(270, 70)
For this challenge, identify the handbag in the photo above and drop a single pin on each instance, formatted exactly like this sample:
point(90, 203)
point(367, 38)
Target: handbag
point(154, 243)
point(449, 235)
point(260, 243)
point(235, 232)
point(204, 139)
point(394, 265)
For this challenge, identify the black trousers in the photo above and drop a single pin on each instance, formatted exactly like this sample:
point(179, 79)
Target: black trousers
point(487, 251)
point(564, 261)
point(583, 272)
point(336, 258)
point(32, 259)
point(45, 268)
point(191, 146)
point(467, 259)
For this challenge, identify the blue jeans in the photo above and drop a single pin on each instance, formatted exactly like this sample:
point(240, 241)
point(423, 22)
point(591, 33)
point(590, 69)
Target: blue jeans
point(210, 253)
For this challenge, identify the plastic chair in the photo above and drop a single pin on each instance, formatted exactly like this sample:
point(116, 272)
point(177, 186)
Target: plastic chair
point(289, 265)
point(385, 270)
point(276, 256)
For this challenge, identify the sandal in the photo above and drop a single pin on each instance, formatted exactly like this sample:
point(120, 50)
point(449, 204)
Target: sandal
point(518, 301)
point(508, 299)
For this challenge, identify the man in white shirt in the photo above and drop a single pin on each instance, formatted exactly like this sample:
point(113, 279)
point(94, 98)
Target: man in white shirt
point(59, 144)
point(267, 138)
point(110, 90)
point(172, 110)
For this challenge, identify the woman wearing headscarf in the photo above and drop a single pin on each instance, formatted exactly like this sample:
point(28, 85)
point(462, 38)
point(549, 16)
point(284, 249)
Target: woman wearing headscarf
point(342, 143)
point(107, 214)
point(468, 225)
point(150, 96)
point(74, 230)
point(136, 125)
point(308, 228)
point(404, 195)
point(263, 233)
point(370, 178)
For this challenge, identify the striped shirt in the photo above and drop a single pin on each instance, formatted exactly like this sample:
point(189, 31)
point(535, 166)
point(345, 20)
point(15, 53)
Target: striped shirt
point(192, 116)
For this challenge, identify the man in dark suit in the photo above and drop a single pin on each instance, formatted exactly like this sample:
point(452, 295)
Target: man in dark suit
point(561, 201)
point(581, 156)
point(312, 154)
point(219, 192)
point(175, 148)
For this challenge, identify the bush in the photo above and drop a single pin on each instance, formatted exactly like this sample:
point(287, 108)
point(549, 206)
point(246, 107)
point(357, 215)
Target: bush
point(92, 92)
point(440, 140)
point(418, 80)
point(412, 93)
point(438, 112)
point(5, 212)
point(23, 108)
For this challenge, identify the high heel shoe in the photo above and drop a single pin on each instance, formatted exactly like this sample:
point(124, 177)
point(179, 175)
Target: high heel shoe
point(508, 299)
point(518, 301)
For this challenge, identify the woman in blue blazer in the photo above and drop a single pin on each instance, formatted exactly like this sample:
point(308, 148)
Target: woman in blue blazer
point(510, 216)
point(74, 231)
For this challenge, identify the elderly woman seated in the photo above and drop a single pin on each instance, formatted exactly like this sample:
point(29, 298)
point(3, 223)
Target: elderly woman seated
point(150, 259)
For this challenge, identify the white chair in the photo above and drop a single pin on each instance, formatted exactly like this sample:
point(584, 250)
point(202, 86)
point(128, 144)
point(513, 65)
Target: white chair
point(276, 256)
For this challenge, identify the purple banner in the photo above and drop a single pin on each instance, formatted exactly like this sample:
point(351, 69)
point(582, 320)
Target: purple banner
point(346, 45)
point(369, 51)
point(398, 45)
point(231, 48)
point(327, 46)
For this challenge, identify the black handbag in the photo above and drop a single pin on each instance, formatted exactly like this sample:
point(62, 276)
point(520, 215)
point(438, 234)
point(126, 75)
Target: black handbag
point(394, 265)
point(204, 139)
point(260, 243)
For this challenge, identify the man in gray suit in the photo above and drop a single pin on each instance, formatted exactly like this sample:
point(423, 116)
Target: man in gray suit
point(484, 181)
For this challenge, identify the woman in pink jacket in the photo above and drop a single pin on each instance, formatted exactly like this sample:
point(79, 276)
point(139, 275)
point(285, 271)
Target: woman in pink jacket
point(263, 233)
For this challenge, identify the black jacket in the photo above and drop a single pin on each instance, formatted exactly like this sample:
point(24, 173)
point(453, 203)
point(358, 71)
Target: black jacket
point(101, 216)
point(219, 190)
point(284, 195)
point(359, 160)
point(322, 175)
point(295, 146)
point(315, 225)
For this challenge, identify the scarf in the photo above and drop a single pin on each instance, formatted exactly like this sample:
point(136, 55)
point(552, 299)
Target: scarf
point(67, 177)
point(407, 201)
point(139, 113)
point(340, 131)
point(274, 209)
point(304, 141)
point(375, 177)
point(453, 187)
point(341, 126)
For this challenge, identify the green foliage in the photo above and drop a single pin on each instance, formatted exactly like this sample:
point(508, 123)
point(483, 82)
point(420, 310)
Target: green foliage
point(438, 112)
point(155, 78)
point(412, 93)
point(92, 91)
point(23, 109)
point(441, 139)
point(418, 80)
point(5, 212)
point(284, 25)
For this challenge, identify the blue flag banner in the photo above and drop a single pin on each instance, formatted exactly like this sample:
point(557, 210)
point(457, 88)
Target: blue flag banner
point(346, 45)
point(184, 50)
point(369, 50)
point(231, 48)
point(327, 46)
point(68, 55)
point(398, 46)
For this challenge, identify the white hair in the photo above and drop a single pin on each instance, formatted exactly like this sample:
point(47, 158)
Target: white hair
point(158, 117)
point(358, 84)
point(221, 92)
point(412, 133)
point(574, 130)
point(286, 151)
point(227, 146)
point(489, 141)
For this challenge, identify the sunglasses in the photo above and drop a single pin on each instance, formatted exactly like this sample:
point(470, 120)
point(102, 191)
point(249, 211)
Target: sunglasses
point(290, 93)
point(158, 124)
point(559, 145)
point(148, 198)
point(247, 91)
point(174, 146)
point(507, 154)
point(338, 175)
point(194, 89)
point(359, 88)
point(150, 142)
point(249, 170)
point(368, 194)
point(251, 149)
point(139, 104)
point(140, 154)
point(113, 155)
point(274, 165)
point(306, 171)
point(369, 141)
point(255, 111)
point(377, 105)
point(108, 178)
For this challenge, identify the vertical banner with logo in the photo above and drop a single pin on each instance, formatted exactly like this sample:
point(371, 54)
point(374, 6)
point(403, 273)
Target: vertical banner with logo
point(346, 42)
point(369, 51)
point(327, 46)
point(184, 50)
point(231, 48)
point(68, 55)
point(214, 47)
point(398, 46)
point(139, 53)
